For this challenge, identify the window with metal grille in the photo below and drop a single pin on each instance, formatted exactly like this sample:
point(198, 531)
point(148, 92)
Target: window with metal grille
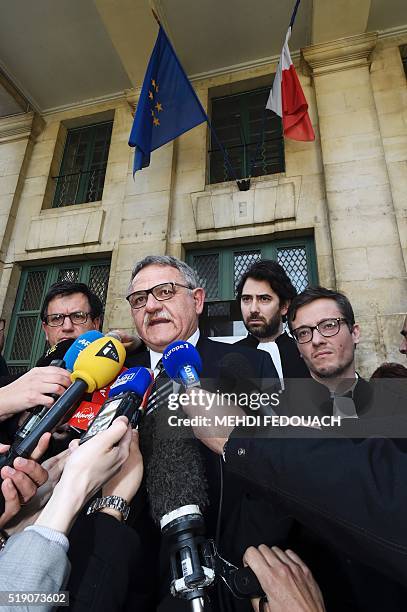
point(26, 340)
point(83, 168)
point(251, 135)
point(219, 271)
point(403, 53)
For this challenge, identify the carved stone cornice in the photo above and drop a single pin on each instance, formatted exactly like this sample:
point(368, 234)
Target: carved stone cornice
point(132, 97)
point(341, 54)
point(18, 127)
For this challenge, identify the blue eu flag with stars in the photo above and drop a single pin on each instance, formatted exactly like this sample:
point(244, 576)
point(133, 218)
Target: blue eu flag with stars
point(168, 105)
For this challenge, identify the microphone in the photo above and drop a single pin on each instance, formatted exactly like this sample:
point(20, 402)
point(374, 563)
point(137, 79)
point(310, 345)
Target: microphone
point(95, 367)
point(177, 490)
point(62, 352)
point(126, 396)
point(57, 351)
point(182, 363)
point(81, 342)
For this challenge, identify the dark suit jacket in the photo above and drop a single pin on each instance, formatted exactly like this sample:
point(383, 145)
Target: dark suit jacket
point(292, 364)
point(348, 500)
point(227, 368)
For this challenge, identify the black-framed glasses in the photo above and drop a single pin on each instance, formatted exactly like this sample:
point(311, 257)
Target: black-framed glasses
point(161, 292)
point(77, 318)
point(326, 327)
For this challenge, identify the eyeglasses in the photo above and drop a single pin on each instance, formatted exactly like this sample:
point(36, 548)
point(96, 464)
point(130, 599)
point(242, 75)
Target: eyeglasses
point(326, 327)
point(77, 318)
point(161, 292)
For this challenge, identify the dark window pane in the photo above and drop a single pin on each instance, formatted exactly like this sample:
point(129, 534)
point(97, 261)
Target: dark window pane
point(241, 261)
point(294, 262)
point(70, 275)
point(207, 269)
point(98, 281)
point(83, 168)
point(23, 338)
point(252, 137)
point(33, 290)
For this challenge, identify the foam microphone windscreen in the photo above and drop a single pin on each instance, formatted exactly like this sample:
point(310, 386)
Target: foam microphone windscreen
point(174, 467)
point(178, 355)
point(57, 351)
point(77, 347)
point(137, 380)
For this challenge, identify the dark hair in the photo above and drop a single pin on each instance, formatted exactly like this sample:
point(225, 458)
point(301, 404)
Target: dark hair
point(271, 272)
point(68, 288)
point(390, 370)
point(310, 294)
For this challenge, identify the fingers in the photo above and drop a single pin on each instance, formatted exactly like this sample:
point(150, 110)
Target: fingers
point(11, 501)
point(32, 469)
point(4, 448)
point(41, 447)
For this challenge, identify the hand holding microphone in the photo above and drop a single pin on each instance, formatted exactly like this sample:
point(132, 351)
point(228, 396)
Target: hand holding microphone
point(94, 368)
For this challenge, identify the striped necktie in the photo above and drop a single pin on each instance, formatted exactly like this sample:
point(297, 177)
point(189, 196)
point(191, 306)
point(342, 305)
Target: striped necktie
point(161, 389)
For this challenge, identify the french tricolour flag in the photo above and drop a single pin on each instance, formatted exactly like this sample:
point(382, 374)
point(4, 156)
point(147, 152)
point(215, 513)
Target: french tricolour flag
point(287, 99)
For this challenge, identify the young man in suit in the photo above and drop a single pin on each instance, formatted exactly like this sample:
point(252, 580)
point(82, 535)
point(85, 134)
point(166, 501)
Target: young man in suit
point(265, 293)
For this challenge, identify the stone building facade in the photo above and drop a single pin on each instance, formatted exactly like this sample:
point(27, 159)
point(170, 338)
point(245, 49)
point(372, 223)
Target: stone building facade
point(347, 190)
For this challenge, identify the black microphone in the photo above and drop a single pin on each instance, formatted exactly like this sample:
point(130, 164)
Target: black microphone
point(94, 368)
point(54, 357)
point(126, 397)
point(177, 490)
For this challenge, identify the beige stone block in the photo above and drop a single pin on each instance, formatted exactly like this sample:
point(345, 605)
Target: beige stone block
point(13, 165)
point(365, 231)
point(361, 146)
point(190, 180)
point(359, 98)
point(356, 174)
point(396, 149)
point(394, 124)
point(34, 186)
point(386, 261)
point(119, 153)
point(223, 213)
point(342, 81)
point(350, 264)
point(243, 207)
point(285, 202)
point(394, 101)
point(331, 103)
point(301, 162)
point(363, 121)
point(203, 211)
point(8, 184)
point(265, 204)
point(116, 172)
point(6, 202)
point(65, 229)
point(387, 81)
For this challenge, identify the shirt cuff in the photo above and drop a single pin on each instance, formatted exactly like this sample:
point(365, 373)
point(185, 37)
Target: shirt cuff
point(51, 534)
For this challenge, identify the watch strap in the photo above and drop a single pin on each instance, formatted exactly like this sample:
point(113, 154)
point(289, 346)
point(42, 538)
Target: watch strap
point(110, 501)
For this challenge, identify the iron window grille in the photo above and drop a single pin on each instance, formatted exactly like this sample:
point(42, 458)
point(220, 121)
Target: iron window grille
point(252, 137)
point(83, 168)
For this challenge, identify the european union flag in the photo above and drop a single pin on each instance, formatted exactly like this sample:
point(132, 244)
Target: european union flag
point(168, 105)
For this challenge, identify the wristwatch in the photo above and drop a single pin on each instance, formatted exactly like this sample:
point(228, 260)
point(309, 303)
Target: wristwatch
point(111, 501)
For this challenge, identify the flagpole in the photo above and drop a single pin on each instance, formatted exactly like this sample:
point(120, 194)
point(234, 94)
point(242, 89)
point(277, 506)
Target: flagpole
point(294, 14)
point(240, 182)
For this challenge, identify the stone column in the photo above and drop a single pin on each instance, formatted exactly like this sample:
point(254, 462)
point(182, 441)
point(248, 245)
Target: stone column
point(17, 136)
point(367, 253)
